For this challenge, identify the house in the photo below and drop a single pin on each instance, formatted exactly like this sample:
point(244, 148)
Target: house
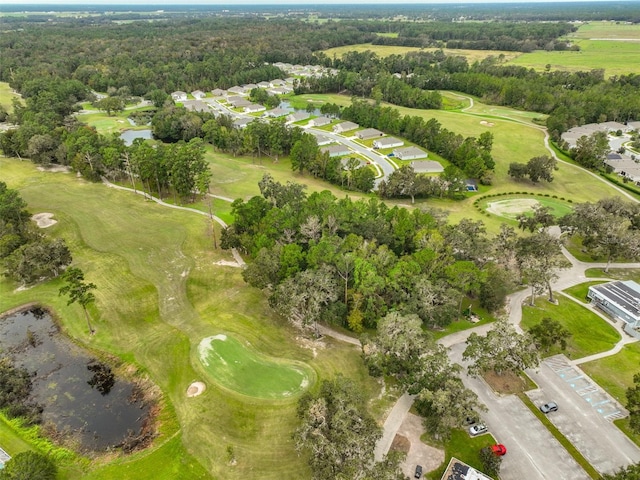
point(249, 86)
point(297, 117)
point(254, 107)
point(471, 185)
point(619, 299)
point(277, 83)
point(239, 102)
point(633, 125)
point(321, 139)
point(458, 470)
point(387, 142)
point(614, 126)
point(344, 127)
point(179, 96)
point(426, 166)
point(237, 90)
point(280, 90)
point(290, 80)
point(277, 112)
point(409, 153)
point(242, 122)
point(624, 166)
point(197, 106)
point(198, 94)
point(217, 92)
point(368, 133)
point(336, 150)
point(264, 84)
point(319, 122)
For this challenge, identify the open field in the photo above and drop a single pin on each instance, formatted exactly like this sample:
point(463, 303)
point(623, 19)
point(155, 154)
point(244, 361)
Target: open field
point(387, 50)
point(116, 123)
point(7, 96)
point(159, 293)
point(599, 337)
point(607, 45)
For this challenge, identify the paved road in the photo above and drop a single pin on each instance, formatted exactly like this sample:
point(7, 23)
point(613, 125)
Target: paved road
point(533, 453)
point(598, 439)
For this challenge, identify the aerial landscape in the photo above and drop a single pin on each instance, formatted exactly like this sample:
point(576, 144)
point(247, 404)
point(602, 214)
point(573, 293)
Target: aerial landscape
point(320, 241)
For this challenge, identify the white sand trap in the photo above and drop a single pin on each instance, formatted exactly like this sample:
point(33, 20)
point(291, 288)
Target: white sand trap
point(512, 208)
point(195, 389)
point(228, 263)
point(487, 124)
point(44, 220)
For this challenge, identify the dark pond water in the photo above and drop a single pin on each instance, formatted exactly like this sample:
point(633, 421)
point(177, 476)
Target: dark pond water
point(287, 106)
point(79, 396)
point(130, 135)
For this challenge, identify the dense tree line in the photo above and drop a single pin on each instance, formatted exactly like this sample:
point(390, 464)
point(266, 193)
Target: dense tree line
point(352, 262)
point(26, 254)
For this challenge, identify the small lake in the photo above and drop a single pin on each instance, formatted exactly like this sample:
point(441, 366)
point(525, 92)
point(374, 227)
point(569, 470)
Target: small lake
point(98, 411)
point(287, 106)
point(130, 135)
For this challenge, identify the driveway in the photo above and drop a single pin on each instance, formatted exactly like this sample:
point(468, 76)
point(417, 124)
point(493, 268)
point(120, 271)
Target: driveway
point(533, 453)
point(582, 408)
point(419, 454)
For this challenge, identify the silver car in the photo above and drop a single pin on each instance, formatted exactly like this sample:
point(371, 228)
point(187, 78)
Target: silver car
point(549, 407)
point(477, 429)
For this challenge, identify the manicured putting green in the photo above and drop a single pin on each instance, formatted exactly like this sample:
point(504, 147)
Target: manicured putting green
point(238, 367)
point(511, 207)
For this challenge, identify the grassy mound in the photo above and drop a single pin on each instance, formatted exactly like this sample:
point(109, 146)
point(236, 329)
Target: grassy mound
point(240, 368)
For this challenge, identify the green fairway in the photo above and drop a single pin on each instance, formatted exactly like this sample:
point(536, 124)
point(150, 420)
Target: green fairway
point(589, 333)
point(239, 368)
point(511, 206)
point(607, 45)
point(387, 50)
point(6, 96)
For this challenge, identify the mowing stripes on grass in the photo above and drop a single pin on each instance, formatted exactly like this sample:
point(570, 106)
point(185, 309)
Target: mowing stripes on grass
point(238, 367)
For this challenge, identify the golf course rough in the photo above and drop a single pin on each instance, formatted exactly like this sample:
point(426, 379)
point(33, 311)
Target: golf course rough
point(238, 367)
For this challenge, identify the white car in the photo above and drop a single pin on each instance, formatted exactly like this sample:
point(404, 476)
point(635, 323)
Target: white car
point(477, 429)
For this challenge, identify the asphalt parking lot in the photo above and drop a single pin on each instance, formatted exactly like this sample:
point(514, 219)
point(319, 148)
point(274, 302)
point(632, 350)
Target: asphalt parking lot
point(585, 414)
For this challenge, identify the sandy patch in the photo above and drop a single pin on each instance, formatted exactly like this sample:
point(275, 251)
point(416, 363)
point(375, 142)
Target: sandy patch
point(513, 207)
point(195, 389)
point(228, 263)
point(44, 220)
point(54, 168)
point(487, 124)
point(418, 453)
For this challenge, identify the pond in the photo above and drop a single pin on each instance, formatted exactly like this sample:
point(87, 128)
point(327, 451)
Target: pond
point(81, 397)
point(130, 135)
point(287, 106)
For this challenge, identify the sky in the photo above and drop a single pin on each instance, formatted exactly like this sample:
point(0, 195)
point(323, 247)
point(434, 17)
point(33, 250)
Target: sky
point(257, 2)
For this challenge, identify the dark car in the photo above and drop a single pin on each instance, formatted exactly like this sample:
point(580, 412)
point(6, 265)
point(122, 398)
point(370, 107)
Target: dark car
point(418, 473)
point(549, 407)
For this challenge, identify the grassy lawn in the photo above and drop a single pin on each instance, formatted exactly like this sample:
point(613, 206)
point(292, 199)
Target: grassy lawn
point(462, 446)
point(614, 273)
point(114, 124)
point(7, 96)
point(159, 293)
point(387, 50)
point(463, 323)
point(615, 373)
point(579, 292)
point(235, 365)
point(589, 333)
point(615, 48)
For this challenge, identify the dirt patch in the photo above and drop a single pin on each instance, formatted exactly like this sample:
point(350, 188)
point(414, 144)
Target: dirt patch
point(44, 220)
point(419, 453)
point(506, 383)
point(487, 124)
point(228, 263)
point(513, 207)
point(401, 444)
point(55, 168)
point(195, 389)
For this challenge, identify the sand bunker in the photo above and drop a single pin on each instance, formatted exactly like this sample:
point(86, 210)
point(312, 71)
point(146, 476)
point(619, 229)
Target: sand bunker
point(487, 124)
point(195, 389)
point(44, 220)
point(512, 208)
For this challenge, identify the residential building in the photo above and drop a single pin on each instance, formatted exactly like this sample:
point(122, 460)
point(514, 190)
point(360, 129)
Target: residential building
point(409, 153)
point(458, 470)
point(297, 117)
point(218, 92)
point(619, 299)
point(198, 94)
point(254, 107)
point(179, 96)
point(321, 140)
point(236, 90)
point(264, 84)
point(369, 133)
point(319, 122)
point(387, 142)
point(336, 150)
point(345, 127)
point(241, 122)
point(427, 166)
point(277, 112)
